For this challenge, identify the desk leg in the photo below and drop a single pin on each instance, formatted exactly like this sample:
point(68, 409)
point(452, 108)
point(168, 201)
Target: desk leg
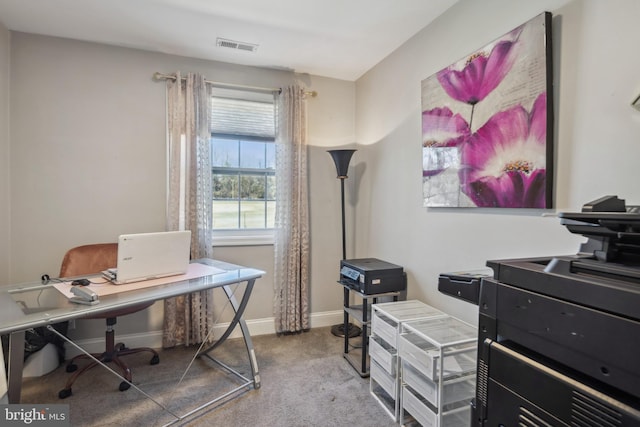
point(237, 319)
point(16, 364)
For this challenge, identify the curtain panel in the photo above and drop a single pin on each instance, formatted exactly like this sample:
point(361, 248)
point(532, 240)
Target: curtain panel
point(189, 319)
point(291, 247)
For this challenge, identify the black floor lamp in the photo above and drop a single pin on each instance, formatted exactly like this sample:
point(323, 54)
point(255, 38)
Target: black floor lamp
point(342, 158)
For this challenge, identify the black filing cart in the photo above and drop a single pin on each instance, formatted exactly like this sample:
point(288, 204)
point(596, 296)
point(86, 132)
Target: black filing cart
point(368, 279)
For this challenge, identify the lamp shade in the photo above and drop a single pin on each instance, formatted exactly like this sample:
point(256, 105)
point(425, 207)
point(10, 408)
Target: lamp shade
point(341, 158)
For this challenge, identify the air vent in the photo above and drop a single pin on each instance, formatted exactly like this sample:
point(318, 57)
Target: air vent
point(483, 375)
point(232, 44)
point(588, 412)
point(527, 418)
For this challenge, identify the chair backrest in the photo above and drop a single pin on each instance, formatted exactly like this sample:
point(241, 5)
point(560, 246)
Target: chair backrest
point(89, 259)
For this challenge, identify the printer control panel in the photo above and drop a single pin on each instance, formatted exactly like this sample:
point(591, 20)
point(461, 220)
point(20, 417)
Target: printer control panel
point(350, 273)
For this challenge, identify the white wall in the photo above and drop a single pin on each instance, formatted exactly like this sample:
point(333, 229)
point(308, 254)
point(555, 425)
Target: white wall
point(4, 154)
point(597, 132)
point(88, 161)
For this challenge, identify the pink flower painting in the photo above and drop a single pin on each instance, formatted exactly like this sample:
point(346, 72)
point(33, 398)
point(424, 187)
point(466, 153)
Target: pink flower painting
point(486, 125)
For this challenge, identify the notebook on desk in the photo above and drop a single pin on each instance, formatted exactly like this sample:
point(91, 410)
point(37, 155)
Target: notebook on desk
point(146, 256)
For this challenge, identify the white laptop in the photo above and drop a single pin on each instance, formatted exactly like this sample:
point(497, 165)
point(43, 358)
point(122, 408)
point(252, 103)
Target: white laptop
point(146, 256)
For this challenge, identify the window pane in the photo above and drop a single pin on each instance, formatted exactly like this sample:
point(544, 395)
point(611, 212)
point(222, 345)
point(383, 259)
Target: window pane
point(271, 214)
point(224, 153)
point(252, 187)
point(252, 214)
point(271, 187)
point(271, 155)
point(252, 155)
point(225, 186)
point(225, 214)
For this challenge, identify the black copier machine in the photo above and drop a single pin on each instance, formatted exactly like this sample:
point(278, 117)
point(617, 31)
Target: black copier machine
point(559, 337)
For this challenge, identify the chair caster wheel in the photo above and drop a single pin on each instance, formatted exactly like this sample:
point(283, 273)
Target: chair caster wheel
point(72, 367)
point(124, 386)
point(155, 360)
point(64, 393)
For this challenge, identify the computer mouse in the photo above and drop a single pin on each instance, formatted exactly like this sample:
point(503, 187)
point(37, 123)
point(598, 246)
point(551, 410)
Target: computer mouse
point(81, 282)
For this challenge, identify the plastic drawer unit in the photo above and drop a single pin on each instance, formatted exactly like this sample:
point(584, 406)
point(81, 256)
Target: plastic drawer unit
point(438, 358)
point(383, 344)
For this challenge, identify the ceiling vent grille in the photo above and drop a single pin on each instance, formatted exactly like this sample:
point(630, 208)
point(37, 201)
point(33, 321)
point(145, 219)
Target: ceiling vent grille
point(232, 44)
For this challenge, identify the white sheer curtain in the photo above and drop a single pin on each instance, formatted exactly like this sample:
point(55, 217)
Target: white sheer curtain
point(291, 281)
point(188, 319)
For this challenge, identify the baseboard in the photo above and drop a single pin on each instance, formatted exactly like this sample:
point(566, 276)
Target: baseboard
point(153, 339)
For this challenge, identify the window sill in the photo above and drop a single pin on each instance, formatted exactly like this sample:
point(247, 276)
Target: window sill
point(235, 238)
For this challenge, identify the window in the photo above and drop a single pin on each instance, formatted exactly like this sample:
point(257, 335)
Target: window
point(243, 167)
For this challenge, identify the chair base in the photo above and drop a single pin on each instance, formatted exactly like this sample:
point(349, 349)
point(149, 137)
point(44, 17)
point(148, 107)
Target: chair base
point(111, 355)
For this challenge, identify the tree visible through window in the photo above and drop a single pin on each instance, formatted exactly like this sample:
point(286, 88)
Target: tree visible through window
point(243, 164)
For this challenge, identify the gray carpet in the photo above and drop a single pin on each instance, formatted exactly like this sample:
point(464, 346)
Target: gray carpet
point(305, 382)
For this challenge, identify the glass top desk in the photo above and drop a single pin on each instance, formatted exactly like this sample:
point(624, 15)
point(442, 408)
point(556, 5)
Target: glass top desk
point(31, 305)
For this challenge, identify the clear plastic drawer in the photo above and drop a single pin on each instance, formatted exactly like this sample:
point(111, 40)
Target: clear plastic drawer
point(454, 390)
point(426, 358)
point(415, 410)
point(385, 355)
point(387, 317)
point(424, 343)
point(385, 389)
point(384, 327)
point(381, 378)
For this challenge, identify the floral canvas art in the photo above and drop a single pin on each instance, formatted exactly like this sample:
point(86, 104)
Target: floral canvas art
point(487, 125)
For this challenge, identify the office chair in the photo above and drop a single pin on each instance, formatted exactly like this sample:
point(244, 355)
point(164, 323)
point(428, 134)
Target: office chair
point(92, 259)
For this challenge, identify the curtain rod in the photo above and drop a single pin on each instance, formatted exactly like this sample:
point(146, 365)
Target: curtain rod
point(160, 76)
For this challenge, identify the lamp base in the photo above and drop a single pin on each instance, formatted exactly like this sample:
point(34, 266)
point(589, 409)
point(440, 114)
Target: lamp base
point(352, 330)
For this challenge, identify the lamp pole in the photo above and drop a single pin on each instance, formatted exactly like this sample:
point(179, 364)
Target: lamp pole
point(342, 158)
point(344, 237)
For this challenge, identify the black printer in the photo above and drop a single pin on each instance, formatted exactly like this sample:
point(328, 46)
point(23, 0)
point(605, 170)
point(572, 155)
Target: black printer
point(558, 340)
point(371, 276)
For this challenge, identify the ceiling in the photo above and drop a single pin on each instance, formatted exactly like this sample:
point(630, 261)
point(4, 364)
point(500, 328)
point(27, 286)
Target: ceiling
point(333, 38)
